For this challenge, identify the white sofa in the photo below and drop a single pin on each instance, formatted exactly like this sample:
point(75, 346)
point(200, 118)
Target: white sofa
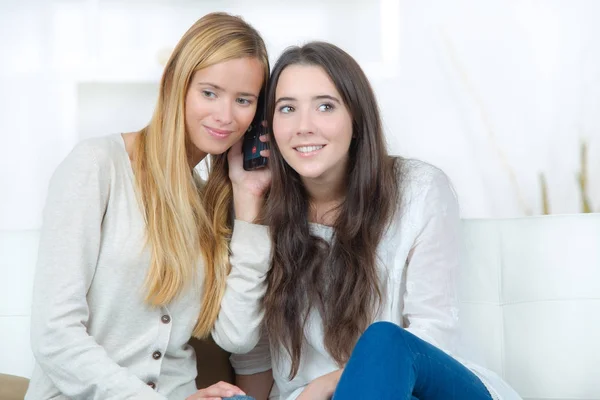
point(530, 293)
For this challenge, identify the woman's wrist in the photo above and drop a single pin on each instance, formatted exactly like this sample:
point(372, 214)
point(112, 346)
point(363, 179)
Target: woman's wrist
point(247, 205)
point(330, 384)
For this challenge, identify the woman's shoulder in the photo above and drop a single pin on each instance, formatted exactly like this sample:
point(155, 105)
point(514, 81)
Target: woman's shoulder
point(101, 150)
point(424, 189)
point(97, 155)
point(91, 159)
point(417, 177)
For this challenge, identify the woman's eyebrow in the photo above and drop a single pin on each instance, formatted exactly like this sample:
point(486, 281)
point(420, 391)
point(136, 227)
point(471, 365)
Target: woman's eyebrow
point(217, 87)
point(211, 85)
point(318, 97)
point(327, 97)
point(279, 100)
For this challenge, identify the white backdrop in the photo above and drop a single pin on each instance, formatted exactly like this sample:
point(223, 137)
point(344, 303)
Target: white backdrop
point(494, 92)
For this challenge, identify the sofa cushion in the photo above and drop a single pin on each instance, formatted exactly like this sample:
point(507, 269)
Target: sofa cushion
point(530, 294)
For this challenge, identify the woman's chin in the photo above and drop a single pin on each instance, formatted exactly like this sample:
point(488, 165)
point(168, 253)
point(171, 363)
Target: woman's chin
point(212, 150)
point(211, 146)
point(310, 173)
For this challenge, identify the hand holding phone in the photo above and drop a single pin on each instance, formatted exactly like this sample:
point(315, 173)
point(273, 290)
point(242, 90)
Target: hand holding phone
point(252, 147)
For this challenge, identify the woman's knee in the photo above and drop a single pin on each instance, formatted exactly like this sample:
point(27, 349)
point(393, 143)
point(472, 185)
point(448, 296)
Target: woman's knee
point(384, 345)
point(380, 333)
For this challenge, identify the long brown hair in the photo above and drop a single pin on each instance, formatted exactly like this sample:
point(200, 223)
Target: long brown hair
point(184, 220)
point(340, 279)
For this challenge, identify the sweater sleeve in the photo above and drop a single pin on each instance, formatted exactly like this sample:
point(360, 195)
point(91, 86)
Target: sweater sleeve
point(430, 299)
point(69, 245)
point(237, 328)
point(256, 361)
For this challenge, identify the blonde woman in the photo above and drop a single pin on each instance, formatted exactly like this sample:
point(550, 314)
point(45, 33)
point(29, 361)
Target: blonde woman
point(137, 254)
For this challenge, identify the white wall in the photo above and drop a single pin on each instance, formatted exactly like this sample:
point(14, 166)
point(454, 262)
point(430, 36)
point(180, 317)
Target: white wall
point(494, 92)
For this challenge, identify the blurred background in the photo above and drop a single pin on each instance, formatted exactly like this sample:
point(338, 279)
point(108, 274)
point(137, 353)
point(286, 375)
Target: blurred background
point(503, 95)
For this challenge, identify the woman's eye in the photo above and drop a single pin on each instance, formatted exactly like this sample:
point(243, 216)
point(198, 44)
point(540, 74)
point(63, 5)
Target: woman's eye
point(286, 109)
point(326, 107)
point(243, 102)
point(208, 94)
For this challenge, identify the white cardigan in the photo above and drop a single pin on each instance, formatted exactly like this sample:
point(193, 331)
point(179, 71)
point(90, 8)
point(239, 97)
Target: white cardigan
point(419, 263)
point(92, 334)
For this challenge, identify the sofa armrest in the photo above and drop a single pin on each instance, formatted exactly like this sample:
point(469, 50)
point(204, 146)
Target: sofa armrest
point(13, 387)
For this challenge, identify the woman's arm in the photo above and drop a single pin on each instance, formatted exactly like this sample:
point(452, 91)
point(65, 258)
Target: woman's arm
point(69, 245)
point(237, 327)
point(430, 300)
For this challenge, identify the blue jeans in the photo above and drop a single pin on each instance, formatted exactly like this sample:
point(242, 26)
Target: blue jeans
point(390, 363)
point(239, 397)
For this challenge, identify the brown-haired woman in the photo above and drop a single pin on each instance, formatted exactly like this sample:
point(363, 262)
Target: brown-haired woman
point(359, 237)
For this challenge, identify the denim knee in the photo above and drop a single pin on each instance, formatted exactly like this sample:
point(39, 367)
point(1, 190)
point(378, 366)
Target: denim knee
point(382, 332)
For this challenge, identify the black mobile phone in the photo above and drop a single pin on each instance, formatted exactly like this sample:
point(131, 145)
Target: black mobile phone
point(252, 145)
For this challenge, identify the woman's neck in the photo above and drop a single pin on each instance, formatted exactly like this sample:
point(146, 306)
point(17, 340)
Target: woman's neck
point(325, 196)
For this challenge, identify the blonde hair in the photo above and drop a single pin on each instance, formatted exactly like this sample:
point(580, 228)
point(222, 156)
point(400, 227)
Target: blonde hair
point(185, 220)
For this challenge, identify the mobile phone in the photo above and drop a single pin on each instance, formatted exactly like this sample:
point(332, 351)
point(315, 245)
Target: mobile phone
point(252, 146)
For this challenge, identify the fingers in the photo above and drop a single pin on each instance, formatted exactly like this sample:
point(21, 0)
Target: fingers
point(266, 138)
point(229, 386)
point(265, 153)
point(217, 392)
point(195, 397)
